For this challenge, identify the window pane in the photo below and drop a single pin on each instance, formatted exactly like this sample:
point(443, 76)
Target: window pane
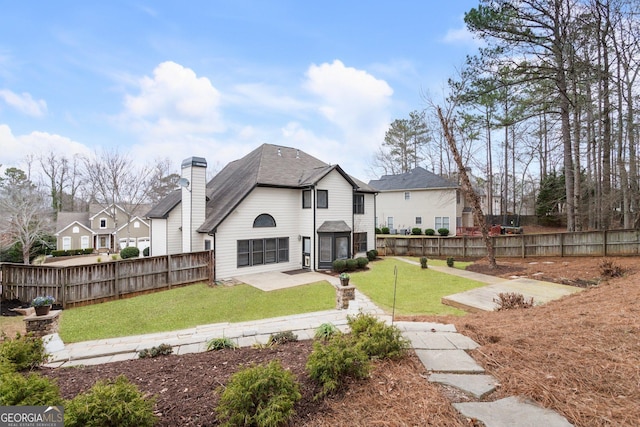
point(257, 252)
point(264, 220)
point(407, 195)
point(418, 220)
point(323, 199)
point(270, 251)
point(325, 249)
point(243, 253)
point(342, 247)
point(283, 249)
point(358, 203)
point(306, 199)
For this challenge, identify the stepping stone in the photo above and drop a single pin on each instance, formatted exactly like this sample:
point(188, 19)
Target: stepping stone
point(477, 386)
point(453, 361)
point(511, 412)
point(429, 341)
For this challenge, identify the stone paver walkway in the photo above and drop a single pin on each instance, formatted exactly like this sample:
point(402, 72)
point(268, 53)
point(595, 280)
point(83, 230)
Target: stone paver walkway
point(441, 349)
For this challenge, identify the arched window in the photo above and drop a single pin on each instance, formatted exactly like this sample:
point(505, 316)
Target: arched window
point(264, 220)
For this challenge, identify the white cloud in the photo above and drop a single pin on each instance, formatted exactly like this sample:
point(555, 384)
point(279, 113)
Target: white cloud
point(461, 36)
point(174, 102)
point(15, 148)
point(24, 103)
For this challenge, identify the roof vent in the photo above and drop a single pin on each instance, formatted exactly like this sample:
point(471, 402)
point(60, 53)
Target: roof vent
point(297, 153)
point(279, 153)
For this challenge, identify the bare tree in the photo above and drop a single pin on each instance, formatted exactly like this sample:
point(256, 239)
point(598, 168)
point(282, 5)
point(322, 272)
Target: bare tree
point(467, 189)
point(25, 218)
point(115, 181)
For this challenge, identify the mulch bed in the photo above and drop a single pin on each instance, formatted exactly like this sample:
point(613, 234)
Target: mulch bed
point(578, 356)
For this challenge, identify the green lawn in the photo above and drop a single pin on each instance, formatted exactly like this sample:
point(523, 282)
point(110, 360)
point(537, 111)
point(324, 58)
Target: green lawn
point(418, 291)
point(190, 306)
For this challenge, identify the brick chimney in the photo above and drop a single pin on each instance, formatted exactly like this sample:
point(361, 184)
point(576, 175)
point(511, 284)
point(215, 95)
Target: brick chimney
point(194, 201)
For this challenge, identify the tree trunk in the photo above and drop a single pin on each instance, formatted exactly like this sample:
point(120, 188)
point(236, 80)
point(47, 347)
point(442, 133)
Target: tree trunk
point(468, 192)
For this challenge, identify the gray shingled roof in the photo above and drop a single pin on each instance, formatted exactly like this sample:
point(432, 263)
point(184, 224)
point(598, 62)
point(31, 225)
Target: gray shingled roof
point(416, 179)
point(66, 218)
point(268, 166)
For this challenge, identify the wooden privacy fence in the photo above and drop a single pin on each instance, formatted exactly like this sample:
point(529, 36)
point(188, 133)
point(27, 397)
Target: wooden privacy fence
point(87, 284)
point(583, 243)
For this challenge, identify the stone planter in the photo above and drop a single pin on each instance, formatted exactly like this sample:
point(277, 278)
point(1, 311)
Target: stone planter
point(344, 282)
point(42, 310)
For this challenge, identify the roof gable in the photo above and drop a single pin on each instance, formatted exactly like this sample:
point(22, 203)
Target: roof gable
point(416, 179)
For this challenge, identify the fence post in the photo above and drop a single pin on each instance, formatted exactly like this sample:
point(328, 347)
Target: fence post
point(464, 246)
point(169, 271)
point(604, 242)
point(116, 278)
point(561, 244)
point(523, 245)
point(212, 269)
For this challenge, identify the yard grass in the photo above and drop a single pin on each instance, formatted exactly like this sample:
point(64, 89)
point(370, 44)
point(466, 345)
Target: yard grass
point(190, 306)
point(418, 291)
point(9, 325)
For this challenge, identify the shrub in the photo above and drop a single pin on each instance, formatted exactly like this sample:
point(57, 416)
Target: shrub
point(331, 363)
point(443, 231)
point(22, 353)
point(609, 270)
point(87, 251)
point(145, 251)
point(110, 403)
point(376, 338)
point(220, 344)
point(352, 264)
point(512, 300)
point(371, 256)
point(429, 232)
point(325, 331)
point(161, 350)
point(384, 230)
point(423, 262)
point(362, 262)
point(114, 257)
point(416, 231)
point(339, 265)
point(262, 395)
point(450, 261)
point(282, 338)
point(129, 252)
point(378, 231)
point(32, 390)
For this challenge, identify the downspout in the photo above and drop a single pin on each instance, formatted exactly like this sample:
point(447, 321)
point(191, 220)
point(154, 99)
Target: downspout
point(314, 233)
point(215, 258)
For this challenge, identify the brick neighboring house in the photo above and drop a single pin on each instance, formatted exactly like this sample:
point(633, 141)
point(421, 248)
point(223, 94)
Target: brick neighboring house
point(275, 209)
point(105, 229)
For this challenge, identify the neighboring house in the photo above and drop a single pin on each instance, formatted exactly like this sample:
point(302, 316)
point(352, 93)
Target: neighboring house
point(420, 199)
point(105, 229)
point(276, 209)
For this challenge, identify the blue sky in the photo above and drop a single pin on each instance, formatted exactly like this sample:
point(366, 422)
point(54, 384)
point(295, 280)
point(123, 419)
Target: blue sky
point(216, 79)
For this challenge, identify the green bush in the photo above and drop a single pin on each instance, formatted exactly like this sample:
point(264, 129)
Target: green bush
point(325, 331)
point(416, 231)
point(282, 338)
point(87, 251)
point(110, 403)
point(129, 252)
point(378, 231)
point(429, 232)
point(371, 255)
point(220, 344)
point(145, 251)
point(352, 264)
point(443, 231)
point(339, 265)
point(384, 230)
point(376, 338)
point(262, 395)
point(32, 390)
point(332, 362)
point(24, 352)
point(362, 262)
point(161, 350)
point(423, 262)
point(450, 261)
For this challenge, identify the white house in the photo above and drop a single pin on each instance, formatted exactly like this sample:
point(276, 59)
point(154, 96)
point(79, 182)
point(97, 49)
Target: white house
point(276, 209)
point(419, 199)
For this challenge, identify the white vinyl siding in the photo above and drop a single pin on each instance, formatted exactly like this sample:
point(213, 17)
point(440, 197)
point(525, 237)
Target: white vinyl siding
point(174, 232)
point(426, 204)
